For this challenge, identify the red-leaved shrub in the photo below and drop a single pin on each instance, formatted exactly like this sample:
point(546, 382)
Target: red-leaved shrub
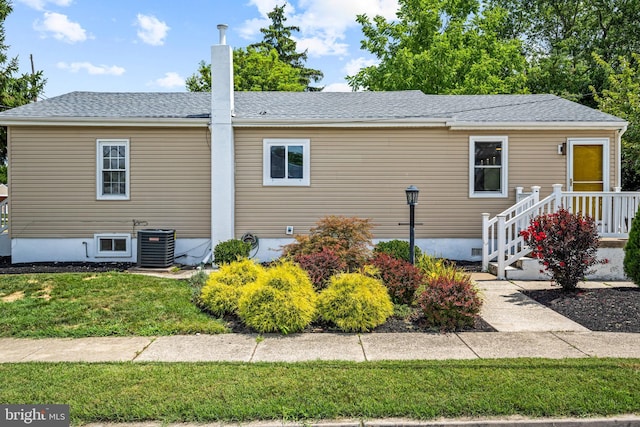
point(320, 266)
point(401, 278)
point(450, 302)
point(565, 243)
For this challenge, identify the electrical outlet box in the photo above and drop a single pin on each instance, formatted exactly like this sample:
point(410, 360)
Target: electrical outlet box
point(289, 230)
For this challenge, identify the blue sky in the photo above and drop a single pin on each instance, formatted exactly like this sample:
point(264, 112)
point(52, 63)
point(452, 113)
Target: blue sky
point(153, 45)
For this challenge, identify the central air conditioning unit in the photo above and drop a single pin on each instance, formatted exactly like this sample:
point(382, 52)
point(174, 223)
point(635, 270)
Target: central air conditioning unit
point(156, 248)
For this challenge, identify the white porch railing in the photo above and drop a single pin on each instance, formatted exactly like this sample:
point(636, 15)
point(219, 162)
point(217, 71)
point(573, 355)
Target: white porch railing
point(501, 240)
point(4, 215)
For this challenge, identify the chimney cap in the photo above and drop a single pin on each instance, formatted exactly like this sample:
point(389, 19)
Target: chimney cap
point(223, 37)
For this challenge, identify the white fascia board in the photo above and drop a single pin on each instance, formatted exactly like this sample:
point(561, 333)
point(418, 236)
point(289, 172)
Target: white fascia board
point(347, 123)
point(537, 125)
point(101, 122)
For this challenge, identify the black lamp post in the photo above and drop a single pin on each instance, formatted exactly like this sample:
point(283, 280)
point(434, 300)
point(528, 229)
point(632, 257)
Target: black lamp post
point(412, 200)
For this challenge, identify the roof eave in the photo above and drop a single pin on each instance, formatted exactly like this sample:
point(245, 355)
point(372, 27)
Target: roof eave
point(346, 123)
point(97, 122)
point(456, 125)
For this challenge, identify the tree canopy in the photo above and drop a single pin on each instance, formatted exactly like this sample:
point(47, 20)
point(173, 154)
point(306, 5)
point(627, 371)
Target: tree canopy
point(15, 89)
point(442, 47)
point(270, 65)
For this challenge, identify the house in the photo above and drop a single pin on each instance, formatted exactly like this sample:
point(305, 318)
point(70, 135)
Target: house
point(89, 170)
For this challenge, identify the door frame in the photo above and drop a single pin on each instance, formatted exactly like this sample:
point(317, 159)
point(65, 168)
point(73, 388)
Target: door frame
point(606, 161)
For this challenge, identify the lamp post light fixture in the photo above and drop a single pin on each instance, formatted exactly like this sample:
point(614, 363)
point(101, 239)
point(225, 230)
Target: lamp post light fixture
point(412, 200)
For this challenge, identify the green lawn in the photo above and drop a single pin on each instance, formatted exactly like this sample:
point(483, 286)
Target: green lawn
point(208, 392)
point(105, 304)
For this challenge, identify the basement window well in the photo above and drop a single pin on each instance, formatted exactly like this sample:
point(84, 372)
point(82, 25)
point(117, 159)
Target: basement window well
point(113, 245)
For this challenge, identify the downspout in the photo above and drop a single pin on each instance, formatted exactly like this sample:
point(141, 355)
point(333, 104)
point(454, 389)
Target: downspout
point(619, 156)
point(222, 144)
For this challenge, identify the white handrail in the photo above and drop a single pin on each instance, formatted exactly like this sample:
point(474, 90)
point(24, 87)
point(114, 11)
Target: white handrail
point(501, 240)
point(4, 215)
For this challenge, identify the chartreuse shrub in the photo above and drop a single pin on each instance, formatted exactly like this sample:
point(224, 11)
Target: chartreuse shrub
point(401, 278)
point(450, 301)
point(398, 249)
point(231, 250)
point(223, 288)
point(320, 266)
point(631, 262)
point(355, 302)
point(280, 300)
point(348, 238)
point(565, 243)
point(433, 267)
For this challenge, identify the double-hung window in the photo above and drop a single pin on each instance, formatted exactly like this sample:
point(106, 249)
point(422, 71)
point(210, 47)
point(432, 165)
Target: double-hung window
point(112, 169)
point(286, 162)
point(488, 166)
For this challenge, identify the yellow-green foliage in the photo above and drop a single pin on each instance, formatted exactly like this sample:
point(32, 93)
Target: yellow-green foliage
point(223, 288)
point(355, 302)
point(281, 300)
point(433, 267)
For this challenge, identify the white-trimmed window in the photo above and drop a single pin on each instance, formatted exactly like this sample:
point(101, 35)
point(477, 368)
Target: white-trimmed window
point(488, 167)
point(286, 162)
point(112, 169)
point(113, 245)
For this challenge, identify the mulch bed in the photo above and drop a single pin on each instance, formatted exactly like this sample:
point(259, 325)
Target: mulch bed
point(603, 309)
point(61, 267)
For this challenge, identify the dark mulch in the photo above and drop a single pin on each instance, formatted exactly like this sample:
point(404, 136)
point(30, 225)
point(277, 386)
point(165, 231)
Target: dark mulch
point(604, 309)
point(61, 267)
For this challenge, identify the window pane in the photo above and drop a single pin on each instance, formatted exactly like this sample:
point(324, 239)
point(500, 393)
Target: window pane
point(488, 153)
point(295, 161)
point(277, 161)
point(120, 245)
point(106, 245)
point(487, 179)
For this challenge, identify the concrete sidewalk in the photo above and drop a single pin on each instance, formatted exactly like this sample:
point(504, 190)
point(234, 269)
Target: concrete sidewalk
point(525, 329)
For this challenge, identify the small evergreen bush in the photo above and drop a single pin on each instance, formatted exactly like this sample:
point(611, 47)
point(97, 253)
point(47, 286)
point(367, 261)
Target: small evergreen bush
point(349, 238)
point(355, 302)
point(449, 302)
point(631, 261)
point(566, 244)
point(230, 250)
point(223, 288)
point(400, 277)
point(320, 266)
point(398, 249)
point(281, 300)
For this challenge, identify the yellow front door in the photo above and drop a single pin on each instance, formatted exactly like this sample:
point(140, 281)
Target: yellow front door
point(587, 174)
point(588, 171)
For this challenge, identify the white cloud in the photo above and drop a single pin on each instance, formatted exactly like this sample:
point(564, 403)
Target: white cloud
point(75, 67)
point(152, 31)
point(41, 4)
point(355, 65)
point(61, 28)
point(337, 87)
point(170, 80)
point(323, 23)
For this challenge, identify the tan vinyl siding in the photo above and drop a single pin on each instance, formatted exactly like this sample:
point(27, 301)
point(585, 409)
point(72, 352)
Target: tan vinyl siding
point(53, 182)
point(360, 172)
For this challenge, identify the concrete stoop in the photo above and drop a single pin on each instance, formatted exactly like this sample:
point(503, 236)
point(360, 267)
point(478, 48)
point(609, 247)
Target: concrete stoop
point(610, 253)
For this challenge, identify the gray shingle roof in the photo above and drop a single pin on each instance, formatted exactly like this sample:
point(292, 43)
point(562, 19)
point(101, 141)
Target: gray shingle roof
point(316, 106)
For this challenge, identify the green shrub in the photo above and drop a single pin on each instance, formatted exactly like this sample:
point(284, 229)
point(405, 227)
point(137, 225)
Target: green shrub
point(355, 302)
point(398, 249)
point(320, 266)
point(450, 302)
point(196, 283)
point(230, 250)
point(400, 277)
point(223, 288)
point(632, 251)
point(281, 300)
point(349, 238)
